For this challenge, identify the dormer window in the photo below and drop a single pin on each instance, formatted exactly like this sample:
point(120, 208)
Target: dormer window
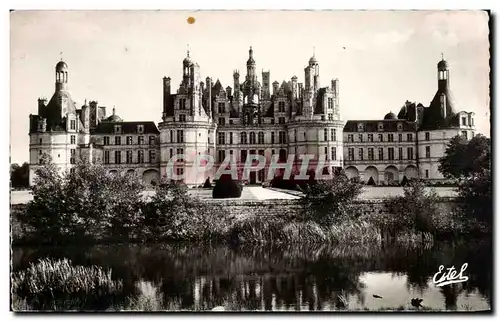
point(118, 129)
point(140, 129)
point(380, 126)
point(360, 127)
point(400, 127)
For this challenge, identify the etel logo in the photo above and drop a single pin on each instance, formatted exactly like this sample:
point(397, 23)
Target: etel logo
point(451, 276)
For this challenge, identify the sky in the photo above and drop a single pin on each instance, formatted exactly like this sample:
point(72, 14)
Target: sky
point(381, 58)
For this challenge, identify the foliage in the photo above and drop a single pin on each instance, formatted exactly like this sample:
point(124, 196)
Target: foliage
point(19, 175)
point(172, 215)
point(225, 187)
point(469, 162)
point(60, 285)
point(464, 158)
point(328, 201)
point(414, 210)
point(207, 183)
point(85, 204)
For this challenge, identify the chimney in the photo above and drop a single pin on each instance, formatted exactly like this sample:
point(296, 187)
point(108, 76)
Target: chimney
point(229, 91)
point(209, 97)
point(335, 87)
point(275, 87)
point(301, 90)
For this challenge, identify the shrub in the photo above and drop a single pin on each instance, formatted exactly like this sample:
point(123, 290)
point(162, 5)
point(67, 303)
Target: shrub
point(85, 204)
point(207, 183)
point(60, 285)
point(328, 201)
point(414, 210)
point(173, 215)
point(225, 187)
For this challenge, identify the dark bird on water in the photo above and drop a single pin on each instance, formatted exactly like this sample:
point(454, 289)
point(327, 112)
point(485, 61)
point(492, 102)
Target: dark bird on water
point(377, 296)
point(416, 302)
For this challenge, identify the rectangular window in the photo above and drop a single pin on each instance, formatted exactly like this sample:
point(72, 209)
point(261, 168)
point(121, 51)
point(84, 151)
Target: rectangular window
point(152, 140)
point(118, 129)
point(325, 134)
point(380, 137)
point(370, 154)
point(272, 138)
point(282, 137)
point(426, 173)
point(400, 153)
point(140, 156)
point(152, 156)
point(231, 138)
point(282, 155)
point(129, 157)
point(73, 124)
point(400, 137)
point(281, 120)
point(390, 151)
point(182, 103)
point(330, 116)
point(333, 134)
point(272, 121)
point(370, 138)
point(464, 121)
point(106, 140)
point(427, 151)
point(350, 138)
point(231, 122)
point(281, 106)
point(381, 154)
point(330, 103)
point(326, 153)
point(334, 153)
point(180, 136)
point(464, 134)
point(360, 137)
point(427, 136)
point(222, 156)
point(409, 137)
point(129, 140)
point(73, 139)
point(243, 156)
point(390, 137)
point(182, 118)
point(180, 151)
point(171, 136)
point(106, 157)
point(171, 153)
point(222, 121)
point(221, 108)
point(410, 152)
point(221, 138)
point(350, 152)
point(360, 153)
point(72, 159)
point(118, 157)
point(118, 140)
point(179, 171)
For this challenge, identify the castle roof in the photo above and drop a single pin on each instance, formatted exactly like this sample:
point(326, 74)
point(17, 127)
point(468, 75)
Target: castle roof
point(127, 127)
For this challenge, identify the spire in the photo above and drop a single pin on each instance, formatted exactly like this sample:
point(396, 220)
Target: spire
point(188, 50)
point(114, 110)
point(314, 51)
point(61, 54)
point(442, 56)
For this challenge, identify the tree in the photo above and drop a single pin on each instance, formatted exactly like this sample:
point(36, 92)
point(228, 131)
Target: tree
point(470, 163)
point(464, 158)
point(327, 201)
point(83, 204)
point(19, 175)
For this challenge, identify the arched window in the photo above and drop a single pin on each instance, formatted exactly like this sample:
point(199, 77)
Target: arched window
point(243, 138)
point(261, 137)
point(252, 138)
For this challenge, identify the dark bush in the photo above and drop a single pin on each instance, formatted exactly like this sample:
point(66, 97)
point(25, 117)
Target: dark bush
point(226, 187)
point(207, 183)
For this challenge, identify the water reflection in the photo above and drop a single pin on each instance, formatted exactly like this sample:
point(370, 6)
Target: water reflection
point(289, 278)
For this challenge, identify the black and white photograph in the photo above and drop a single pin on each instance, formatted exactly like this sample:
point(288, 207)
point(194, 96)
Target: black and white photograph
point(251, 161)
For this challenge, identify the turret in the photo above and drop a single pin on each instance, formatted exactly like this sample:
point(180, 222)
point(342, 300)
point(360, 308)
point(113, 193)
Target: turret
point(265, 85)
point(275, 87)
point(61, 76)
point(443, 74)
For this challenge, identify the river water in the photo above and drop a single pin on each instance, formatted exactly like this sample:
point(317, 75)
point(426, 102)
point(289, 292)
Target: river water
point(293, 278)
